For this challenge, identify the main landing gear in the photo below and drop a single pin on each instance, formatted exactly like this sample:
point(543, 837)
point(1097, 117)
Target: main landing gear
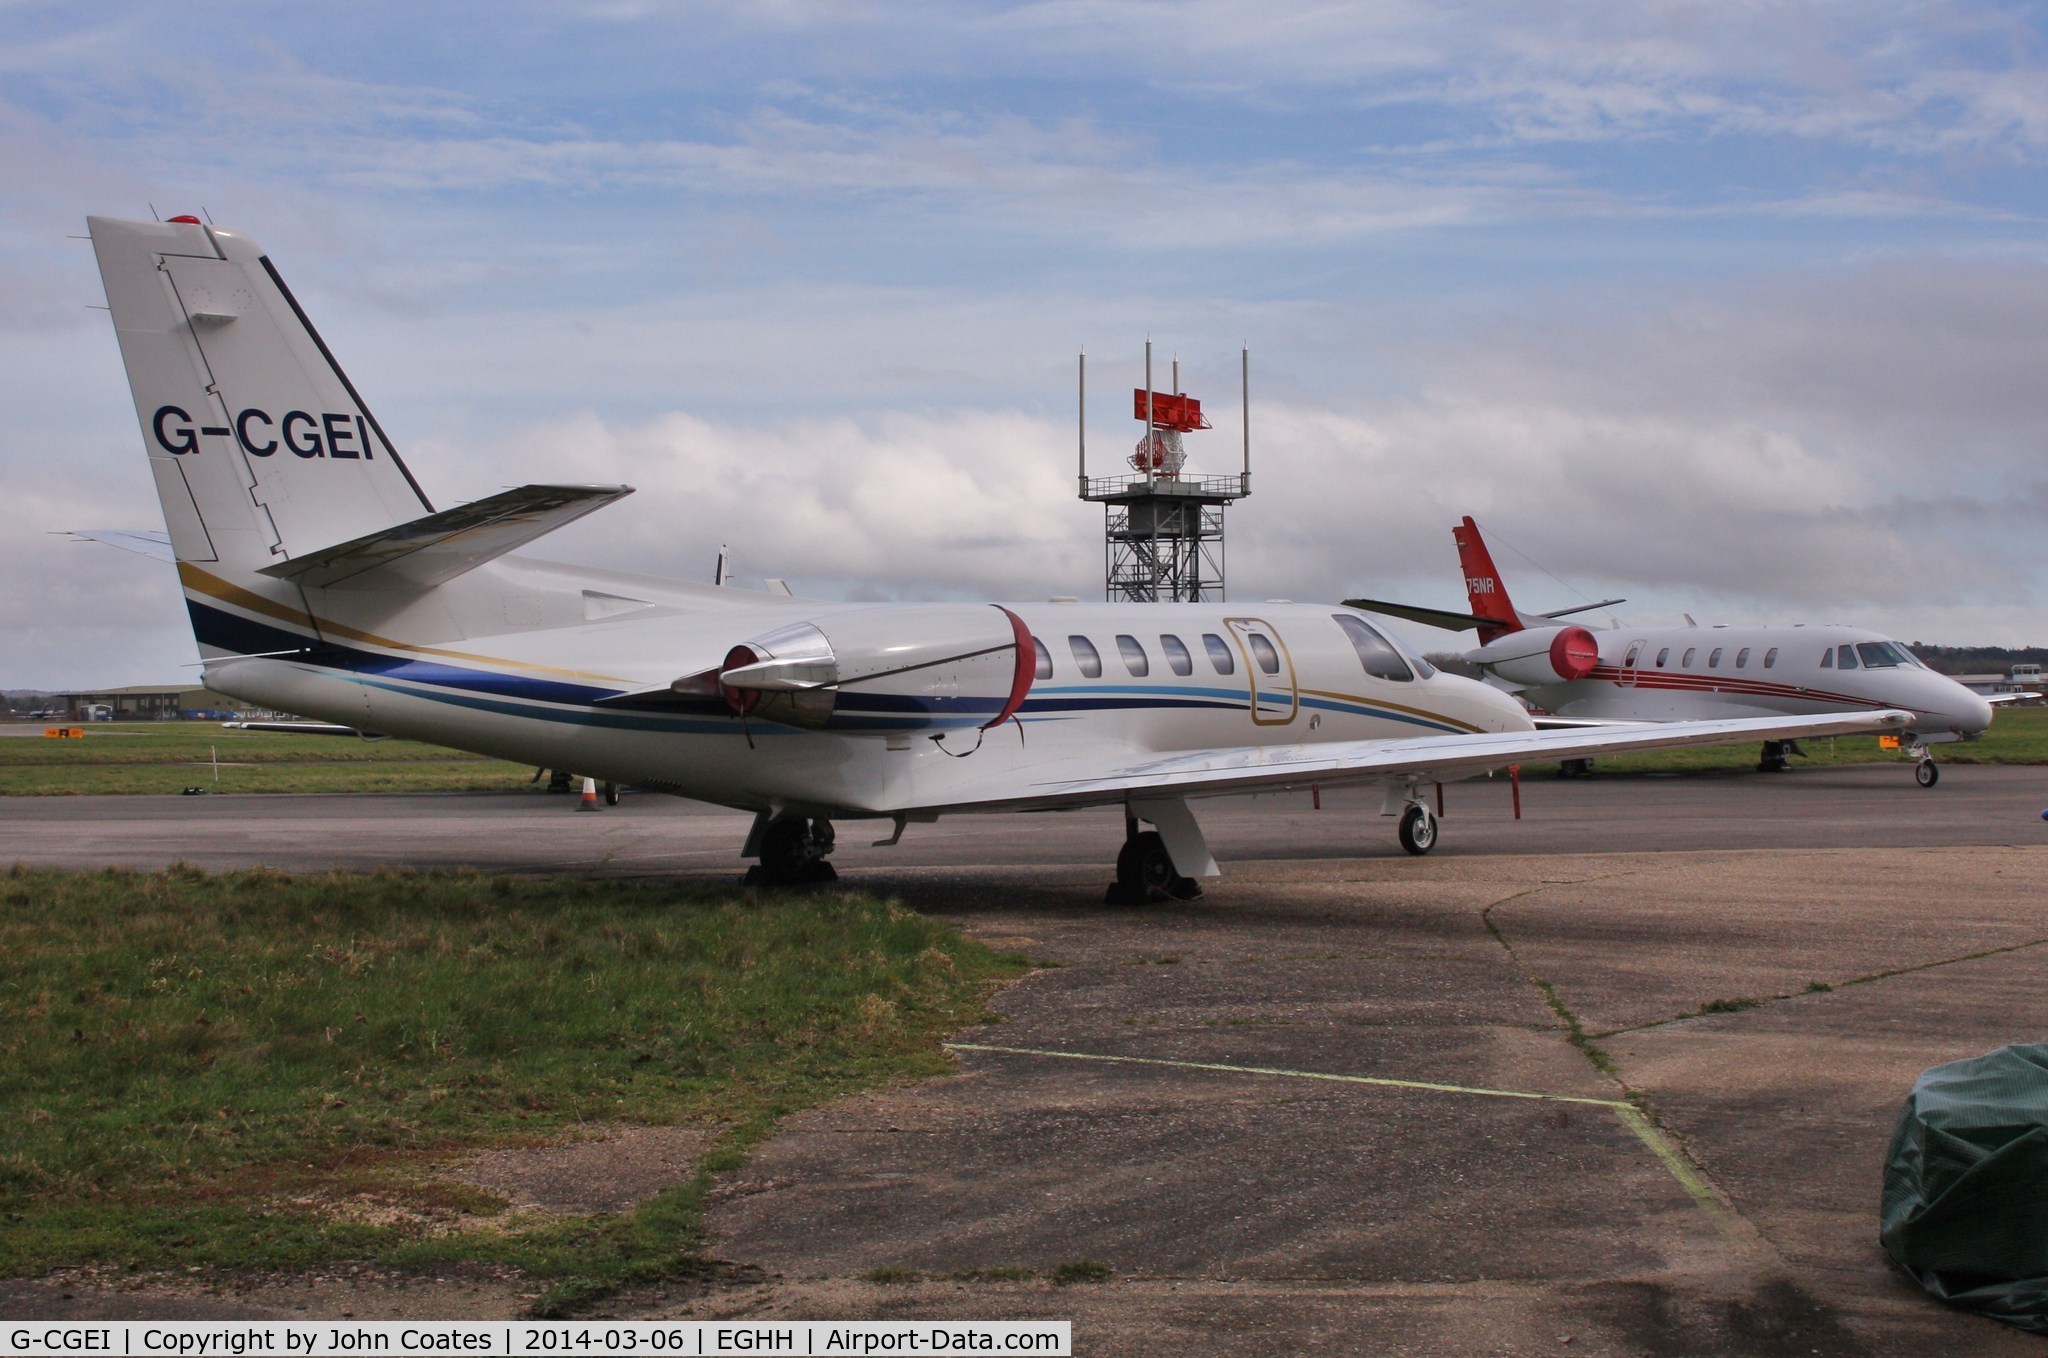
point(792, 850)
point(1777, 756)
point(1145, 871)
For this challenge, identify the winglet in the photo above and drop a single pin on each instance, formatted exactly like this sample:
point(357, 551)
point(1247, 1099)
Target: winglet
point(1483, 586)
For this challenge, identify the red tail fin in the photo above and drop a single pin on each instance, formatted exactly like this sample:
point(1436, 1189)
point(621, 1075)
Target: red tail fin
point(1484, 588)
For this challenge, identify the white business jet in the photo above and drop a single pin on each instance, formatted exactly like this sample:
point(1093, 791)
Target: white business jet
point(321, 581)
point(1662, 674)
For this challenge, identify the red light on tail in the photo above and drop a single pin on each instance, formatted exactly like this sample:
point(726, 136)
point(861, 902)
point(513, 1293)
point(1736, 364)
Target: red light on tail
point(188, 220)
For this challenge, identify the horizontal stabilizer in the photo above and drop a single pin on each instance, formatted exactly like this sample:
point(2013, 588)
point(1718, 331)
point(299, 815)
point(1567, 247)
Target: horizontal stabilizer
point(140, 541)
point(1429, 617)
point(1580, 608)
point(439, 547)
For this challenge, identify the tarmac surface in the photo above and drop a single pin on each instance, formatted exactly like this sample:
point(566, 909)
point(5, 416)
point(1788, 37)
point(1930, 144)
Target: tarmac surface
point(1335, 1106)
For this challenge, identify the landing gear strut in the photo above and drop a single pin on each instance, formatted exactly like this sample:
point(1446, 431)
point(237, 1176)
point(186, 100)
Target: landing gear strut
point(793, 850)
point(1145, 871)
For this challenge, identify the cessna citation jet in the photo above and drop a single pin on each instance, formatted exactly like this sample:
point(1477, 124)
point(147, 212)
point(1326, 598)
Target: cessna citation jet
point(320, 580)
point(1636, 674)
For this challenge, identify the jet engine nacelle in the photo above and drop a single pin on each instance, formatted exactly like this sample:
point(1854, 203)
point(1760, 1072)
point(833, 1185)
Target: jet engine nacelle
point(939, 668)
point(1540, 655)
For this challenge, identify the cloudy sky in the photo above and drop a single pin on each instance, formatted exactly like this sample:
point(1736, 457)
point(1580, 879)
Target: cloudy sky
point(1732, 308)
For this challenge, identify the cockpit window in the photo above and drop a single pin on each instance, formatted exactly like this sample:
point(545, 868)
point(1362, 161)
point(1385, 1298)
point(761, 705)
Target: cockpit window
point(1177, 657)
point(1086, 656)
point(1827, 660)
point(1134, 656)
point(1220, 658)
point(1042, 666)
point(1884, 655)
point(1375, 652)
point(1845, 657)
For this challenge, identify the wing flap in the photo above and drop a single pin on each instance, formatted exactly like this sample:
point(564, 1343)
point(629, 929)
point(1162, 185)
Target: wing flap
point(427, 551)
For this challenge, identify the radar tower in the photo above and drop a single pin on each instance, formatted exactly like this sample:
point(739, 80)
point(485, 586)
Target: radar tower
point(1163, 525)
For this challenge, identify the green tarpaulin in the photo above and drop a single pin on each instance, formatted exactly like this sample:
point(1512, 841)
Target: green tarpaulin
point(1965, 1207)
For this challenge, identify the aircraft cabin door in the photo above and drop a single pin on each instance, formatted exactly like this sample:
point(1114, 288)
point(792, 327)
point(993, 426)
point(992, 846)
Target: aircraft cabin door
point(1268, 670)
point(1628, 663)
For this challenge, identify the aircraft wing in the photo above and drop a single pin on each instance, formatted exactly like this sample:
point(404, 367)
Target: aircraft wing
point(1428, 617)
point(439, 547)
point(302, 728)
point(1425, 759)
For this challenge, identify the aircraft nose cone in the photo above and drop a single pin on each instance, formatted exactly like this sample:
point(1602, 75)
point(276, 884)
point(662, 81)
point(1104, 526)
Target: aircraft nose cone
point(1956, 708)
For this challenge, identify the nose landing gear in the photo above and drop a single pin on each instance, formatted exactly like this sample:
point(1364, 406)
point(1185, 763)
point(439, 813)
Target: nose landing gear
point(1418, 829)
point(1926, 773)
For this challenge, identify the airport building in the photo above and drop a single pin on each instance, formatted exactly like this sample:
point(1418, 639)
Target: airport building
point(155, 702)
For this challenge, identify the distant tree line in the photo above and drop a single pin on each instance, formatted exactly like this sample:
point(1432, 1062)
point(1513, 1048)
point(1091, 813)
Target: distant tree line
point(1978, 659)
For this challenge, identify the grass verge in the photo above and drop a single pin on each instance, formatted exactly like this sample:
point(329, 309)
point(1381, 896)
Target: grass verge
point(168, 757)
point(196, 1069)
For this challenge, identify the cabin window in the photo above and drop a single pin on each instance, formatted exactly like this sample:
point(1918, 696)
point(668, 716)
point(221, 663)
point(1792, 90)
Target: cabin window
point(1086, 657)
point(1635, 653)
point(1177, 658)
point(1714, 660)
point(1663, 656)
point(1845, 657)
point(1041, 667)
point(1263, 652)
point(1827, 660)
point(1770, 657)
point(1220, 658)
point(1685, 661)
point(1742, 659)
point(1375, 652)
point(1134, 655)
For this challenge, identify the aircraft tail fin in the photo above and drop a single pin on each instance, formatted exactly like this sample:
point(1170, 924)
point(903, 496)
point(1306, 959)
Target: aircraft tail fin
point(262, 449)
point(1486, 591)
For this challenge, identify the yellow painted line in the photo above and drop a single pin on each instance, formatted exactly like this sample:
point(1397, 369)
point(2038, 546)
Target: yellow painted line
point(1296, 1075)
point(1730, 1226)
point(1687, 1177)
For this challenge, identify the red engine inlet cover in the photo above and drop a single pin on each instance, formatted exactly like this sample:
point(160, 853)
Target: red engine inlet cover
point(1574, 653)
point(740, 700)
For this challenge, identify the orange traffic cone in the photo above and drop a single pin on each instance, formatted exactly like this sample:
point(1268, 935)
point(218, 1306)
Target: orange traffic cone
point(589, 802)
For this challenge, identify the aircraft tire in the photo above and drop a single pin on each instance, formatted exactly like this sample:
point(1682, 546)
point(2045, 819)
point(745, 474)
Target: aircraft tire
point(611, 794)
point(1927, 773)
point(793, 853)
point(1418, 830)
point(1144, 867)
